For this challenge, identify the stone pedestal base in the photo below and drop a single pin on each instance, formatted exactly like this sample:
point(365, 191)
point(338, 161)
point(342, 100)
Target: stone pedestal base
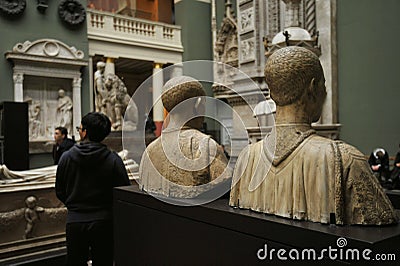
point(149, 231)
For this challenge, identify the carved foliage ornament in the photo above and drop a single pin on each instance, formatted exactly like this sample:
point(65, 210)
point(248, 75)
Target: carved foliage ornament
point(72, 12)
point(12, 7)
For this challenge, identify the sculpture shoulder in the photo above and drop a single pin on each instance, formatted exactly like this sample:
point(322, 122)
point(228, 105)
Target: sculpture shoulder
point(154, 146)
point(350, 154)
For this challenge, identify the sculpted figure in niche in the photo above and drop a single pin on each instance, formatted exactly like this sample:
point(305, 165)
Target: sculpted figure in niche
point(35, 124)
point(115, 101)
point(310, 177)
point(183, 157)
point(64, 111)
point(99, 88)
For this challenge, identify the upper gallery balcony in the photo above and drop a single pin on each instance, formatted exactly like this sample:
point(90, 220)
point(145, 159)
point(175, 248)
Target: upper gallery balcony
point(107, 28)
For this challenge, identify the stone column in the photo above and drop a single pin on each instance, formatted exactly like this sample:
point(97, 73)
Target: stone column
point(76, 102)
point(110, 66)
point(158, 108)
point(18, 87)
point(177, 71)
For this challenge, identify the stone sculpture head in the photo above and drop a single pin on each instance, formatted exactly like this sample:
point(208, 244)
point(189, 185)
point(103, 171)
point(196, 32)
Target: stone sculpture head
point(30, 202)
point(61, 93)
point(101, 66)
point(188, 91)
point(295, 77)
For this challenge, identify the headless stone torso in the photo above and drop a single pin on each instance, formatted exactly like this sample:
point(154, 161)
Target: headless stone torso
point(309, 178)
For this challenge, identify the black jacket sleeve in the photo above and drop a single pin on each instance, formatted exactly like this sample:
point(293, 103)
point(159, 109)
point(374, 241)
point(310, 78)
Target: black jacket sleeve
point(121, 176)
point(60, 181)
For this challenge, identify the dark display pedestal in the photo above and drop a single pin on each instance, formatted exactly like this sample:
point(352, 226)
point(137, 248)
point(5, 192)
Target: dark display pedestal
point(394, 196)
point(151, 232)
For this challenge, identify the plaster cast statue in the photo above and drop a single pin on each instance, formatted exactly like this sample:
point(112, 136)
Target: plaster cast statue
point(310, 177)
point(183, 157)
point(64, 111)
point(35, 124)
point(99, 89)
point(115, 104)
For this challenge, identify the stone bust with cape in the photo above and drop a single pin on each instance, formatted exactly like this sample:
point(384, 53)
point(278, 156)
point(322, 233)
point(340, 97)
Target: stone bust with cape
point(183, 162)
point(297, 174)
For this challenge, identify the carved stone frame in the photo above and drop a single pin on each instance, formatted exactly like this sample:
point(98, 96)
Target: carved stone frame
point(48, 58)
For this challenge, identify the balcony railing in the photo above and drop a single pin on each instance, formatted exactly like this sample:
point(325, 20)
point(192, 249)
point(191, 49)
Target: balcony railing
point(115, 26)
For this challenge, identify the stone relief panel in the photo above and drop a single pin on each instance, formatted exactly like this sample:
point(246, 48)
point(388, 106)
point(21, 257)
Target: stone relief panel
point(246, 20)
point(247, 50)
point(49, 106)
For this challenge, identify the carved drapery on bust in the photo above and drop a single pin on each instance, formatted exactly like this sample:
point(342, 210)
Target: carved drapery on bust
point(304, 176)
point(183, 162)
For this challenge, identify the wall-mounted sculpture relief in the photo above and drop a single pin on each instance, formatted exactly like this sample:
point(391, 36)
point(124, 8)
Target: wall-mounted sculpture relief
point(12, 7)
point(247, 50)
point(71, 12)
point(247, 20)
point(31, 215)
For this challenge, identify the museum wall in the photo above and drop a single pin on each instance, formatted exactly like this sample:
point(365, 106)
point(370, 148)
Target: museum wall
point(368, 63)
point(33, 25)
point(196, 37)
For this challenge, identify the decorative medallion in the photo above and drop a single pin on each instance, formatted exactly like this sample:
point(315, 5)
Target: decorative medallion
point(12, 7)
point(72, 12)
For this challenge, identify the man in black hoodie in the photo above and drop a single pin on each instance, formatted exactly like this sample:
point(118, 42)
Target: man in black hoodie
point(85, 178)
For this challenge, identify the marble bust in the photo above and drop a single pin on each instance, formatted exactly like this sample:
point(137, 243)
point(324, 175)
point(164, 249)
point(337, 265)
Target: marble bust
point(302, 175)
point(183, 162)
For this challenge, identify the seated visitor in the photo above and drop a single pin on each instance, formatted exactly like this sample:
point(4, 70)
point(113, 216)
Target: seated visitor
point(395, 175)
point(63, 143)
point(295, 173)
point(379, 162)
point(182, 157)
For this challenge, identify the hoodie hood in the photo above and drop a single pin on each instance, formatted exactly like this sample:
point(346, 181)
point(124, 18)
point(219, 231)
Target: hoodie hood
point(88, 152)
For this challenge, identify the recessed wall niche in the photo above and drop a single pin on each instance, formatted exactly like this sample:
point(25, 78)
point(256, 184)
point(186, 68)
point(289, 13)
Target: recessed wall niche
point(47, 74)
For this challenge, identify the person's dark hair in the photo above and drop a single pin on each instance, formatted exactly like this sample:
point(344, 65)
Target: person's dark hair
point(97, 126)
point(63, 131)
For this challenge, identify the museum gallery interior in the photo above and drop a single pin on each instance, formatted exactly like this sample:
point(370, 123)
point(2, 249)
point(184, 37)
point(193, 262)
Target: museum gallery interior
point(251, 131)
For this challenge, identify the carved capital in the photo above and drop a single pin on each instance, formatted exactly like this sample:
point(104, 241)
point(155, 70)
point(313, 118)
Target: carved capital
point(76, 82)
point(18, 78)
